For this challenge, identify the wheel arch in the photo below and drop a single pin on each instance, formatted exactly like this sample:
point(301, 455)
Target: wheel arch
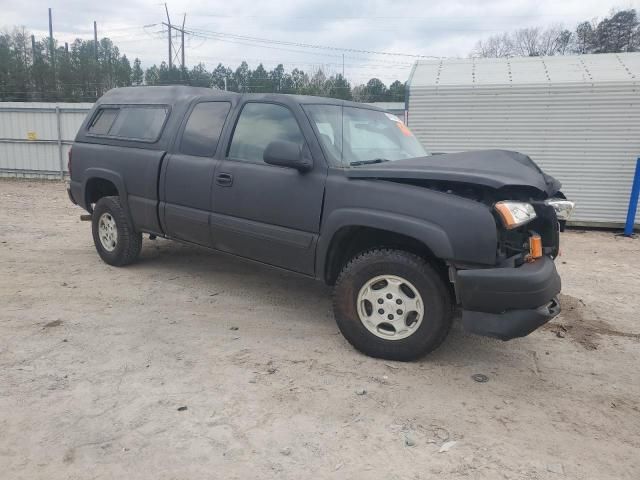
point(350, 231)
point(100, 183)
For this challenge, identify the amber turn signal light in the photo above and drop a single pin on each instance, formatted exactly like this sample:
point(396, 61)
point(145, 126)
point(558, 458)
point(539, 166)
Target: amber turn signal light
point(535, 246)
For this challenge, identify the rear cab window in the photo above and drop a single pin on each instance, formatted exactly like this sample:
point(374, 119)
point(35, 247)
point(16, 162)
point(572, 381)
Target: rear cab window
point(103, 120)
point(202, 131)
point(142, 123)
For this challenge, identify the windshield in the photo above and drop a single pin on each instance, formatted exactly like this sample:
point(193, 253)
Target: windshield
point(352, 136)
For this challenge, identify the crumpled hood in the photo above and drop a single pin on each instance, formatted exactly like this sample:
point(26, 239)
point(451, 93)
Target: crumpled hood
point(491, 168)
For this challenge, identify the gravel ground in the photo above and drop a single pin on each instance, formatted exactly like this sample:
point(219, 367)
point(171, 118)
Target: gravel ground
point(191, 364)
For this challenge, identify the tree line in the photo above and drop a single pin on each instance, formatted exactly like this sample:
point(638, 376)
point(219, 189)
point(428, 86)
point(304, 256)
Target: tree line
point(619, 32)
point(77, 72)
point(278, 80)
point(83, 70)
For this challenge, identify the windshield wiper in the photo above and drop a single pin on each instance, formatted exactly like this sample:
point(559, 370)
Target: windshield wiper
point(368, 162)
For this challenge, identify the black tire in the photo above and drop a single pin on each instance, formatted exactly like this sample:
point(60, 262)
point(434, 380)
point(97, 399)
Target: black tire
point(128, 242)
point(435, 297)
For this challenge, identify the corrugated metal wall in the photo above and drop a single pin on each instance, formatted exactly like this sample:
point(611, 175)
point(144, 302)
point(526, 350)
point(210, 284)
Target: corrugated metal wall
point(586, 135)
point(35, 137)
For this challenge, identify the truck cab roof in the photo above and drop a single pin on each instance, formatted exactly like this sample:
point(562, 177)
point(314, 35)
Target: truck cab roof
point(180, 94)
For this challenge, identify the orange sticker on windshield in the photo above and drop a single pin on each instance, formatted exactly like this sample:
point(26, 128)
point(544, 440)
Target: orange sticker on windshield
point(404, 129)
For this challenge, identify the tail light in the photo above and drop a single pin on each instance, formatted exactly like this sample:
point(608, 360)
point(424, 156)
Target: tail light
point(69, 163)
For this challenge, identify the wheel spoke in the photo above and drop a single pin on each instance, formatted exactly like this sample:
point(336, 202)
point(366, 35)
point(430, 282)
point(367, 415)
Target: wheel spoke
point(393, 287)
point(377, 321)
point(413, 305)
point(369, 295)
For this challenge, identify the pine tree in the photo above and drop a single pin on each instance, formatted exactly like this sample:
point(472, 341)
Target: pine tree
point(137, 75)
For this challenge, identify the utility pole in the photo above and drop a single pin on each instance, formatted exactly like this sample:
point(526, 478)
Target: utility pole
point(51, 48)
point(95, 40)
point(170, 49)
point(53, 55)
point(343, 65)
point(35, 60)
point(182, 32)
point(95, 56)
point(168, 24)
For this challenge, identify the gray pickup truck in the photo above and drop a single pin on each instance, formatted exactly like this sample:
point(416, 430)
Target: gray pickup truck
point(334, 190)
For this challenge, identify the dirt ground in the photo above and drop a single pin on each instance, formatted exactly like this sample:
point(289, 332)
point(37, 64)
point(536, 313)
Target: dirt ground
point(191, 364)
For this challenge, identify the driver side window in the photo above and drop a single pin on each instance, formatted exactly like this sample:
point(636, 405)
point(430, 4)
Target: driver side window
point(259, 125)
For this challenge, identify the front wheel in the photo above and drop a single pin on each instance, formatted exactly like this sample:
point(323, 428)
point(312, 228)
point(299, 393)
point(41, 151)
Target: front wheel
point(116, 242)
point(392, 304)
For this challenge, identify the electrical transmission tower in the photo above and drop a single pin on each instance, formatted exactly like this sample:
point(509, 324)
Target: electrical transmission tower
point(175, 53)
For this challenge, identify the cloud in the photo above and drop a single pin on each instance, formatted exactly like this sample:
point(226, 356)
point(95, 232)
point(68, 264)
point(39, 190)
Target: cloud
point(419, 27)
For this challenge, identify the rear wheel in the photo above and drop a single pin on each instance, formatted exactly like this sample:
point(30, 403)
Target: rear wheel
point(116, 242)
point(392, 304)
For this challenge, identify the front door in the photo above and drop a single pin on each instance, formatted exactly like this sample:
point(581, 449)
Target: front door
point(188, 175)
point(265, 212)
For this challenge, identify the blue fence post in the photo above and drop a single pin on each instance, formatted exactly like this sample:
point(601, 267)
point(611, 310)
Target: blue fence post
point(633, 202)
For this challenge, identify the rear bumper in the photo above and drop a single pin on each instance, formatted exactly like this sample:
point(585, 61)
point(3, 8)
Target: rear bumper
point(507, 303)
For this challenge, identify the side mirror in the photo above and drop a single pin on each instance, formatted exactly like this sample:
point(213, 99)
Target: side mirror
point(287, 154)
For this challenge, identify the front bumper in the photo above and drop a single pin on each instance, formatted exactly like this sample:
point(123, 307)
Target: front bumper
point(506, 303)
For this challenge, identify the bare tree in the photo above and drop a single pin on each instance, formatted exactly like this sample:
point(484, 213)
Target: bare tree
point(526, 42)
point(565, 42)
point(496, 46)
point(619, 32)
point(550, 41)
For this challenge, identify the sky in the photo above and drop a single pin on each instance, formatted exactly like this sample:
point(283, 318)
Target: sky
point(401, 29)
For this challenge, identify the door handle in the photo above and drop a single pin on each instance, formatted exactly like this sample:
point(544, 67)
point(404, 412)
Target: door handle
point(224, 179)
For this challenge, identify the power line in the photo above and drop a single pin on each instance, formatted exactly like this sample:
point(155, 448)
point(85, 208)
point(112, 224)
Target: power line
point(370, 65)
point(217, 35)
point(384, 63)
point(307, 53)
point(295, 63)
point(383, 17)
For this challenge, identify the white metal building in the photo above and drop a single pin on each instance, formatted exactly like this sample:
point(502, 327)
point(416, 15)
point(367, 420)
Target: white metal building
point(397, 108)
point(35, 137)
point(578, 117)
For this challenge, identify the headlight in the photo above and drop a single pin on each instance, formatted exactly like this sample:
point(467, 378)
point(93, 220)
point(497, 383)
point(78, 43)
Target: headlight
point(514, 214)
point(564, 208)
